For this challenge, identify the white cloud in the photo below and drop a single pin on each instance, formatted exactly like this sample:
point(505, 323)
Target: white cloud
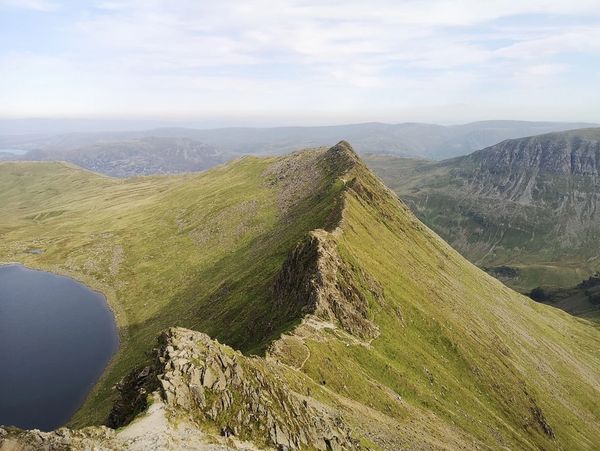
point(36, 5)
point(183, 34)
point(569, 40)
point(264, 55)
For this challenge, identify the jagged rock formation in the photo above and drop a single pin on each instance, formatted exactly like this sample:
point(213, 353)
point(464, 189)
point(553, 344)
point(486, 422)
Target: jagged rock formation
point(315, 280)
point(218, 390)
point(522, 202)
point(239, 396)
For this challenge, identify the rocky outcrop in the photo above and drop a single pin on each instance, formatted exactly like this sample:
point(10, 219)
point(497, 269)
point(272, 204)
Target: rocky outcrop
point(230, 394)
point(342, 157)
point(315, 280)
point(218, 390)
point(63, 439)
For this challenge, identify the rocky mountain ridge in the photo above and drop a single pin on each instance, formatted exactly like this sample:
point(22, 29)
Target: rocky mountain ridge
point(228, 399)
point(391, 338)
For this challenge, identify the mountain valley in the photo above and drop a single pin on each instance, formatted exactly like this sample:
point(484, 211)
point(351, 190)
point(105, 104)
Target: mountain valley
point(133, 157)
point(524, 209)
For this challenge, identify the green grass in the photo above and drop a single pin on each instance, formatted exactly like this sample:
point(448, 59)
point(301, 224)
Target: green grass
point(199, 251)
point(461, 360)
point(463, 352)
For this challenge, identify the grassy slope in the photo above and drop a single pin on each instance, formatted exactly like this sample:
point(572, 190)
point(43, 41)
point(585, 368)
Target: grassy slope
point(198, 251)
point(487, 231)
point(461, 359)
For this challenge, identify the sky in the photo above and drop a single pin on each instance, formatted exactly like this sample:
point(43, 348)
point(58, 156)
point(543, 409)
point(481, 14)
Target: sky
point(292, 62)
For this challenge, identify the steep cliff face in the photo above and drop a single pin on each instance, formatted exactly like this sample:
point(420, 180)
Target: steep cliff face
point(556, 153)
point(523, 202)
point(556, 169)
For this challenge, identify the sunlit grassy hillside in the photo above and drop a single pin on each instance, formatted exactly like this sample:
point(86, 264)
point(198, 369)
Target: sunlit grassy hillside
point(199, 251)
point(415, 346)
point(461, 360)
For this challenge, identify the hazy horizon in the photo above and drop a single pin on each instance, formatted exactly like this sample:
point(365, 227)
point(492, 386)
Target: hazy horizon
point(58, 126)
point(299, 62)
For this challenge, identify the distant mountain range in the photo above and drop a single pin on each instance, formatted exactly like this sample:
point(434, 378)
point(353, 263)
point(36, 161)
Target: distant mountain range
point(526, 209)
point(409, 139)
point(139, 156)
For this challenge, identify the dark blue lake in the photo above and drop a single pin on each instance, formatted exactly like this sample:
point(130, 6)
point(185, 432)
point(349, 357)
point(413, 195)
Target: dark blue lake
point(56, 338)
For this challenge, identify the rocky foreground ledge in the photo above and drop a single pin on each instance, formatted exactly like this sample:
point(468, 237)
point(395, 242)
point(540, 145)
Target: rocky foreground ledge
point(195, 393)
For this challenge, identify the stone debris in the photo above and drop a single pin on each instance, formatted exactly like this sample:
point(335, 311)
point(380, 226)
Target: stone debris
point(241, 396)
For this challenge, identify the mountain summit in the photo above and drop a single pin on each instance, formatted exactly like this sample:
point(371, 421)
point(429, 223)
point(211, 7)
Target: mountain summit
point(348, 323)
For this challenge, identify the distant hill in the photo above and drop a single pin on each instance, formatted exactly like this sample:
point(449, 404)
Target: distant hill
point(532, 204)
point(409, 139)
point(141, 156)
point(368, 331)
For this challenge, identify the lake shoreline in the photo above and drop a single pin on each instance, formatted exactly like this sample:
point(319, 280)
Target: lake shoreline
point(109, 304)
